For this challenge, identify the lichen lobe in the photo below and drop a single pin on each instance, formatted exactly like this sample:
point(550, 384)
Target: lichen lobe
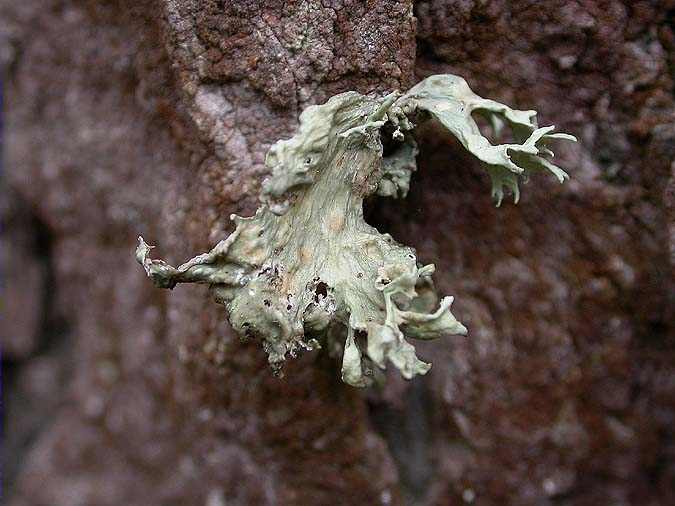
point(307, 270)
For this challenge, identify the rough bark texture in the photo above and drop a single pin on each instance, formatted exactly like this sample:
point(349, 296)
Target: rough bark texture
point(153, 117)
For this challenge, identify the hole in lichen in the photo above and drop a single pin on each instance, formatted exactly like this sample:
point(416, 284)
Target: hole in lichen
point(267, 303)
point(321, 290)
point(389, 145)
point(361, 338)
point(486, 127)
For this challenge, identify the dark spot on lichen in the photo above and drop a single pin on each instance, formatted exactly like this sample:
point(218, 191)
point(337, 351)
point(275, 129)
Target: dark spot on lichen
point(267, 303)
point(248, 333)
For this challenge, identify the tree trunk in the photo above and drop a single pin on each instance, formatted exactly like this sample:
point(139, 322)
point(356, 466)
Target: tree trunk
point(153, 117)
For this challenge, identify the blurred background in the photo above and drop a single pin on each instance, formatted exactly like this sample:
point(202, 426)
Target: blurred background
point(152, 117)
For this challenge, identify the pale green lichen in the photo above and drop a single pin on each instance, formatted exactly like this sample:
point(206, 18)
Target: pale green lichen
point(307, 269)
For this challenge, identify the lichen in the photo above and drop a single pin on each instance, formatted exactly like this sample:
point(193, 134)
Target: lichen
point(307, 270)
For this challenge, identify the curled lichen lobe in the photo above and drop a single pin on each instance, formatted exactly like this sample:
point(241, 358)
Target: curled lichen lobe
point(307, 269)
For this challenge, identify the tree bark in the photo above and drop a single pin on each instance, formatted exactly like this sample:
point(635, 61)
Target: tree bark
point(153, 117)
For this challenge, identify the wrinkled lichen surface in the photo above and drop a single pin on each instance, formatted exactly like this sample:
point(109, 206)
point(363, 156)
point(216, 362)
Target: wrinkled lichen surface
point(307, 271)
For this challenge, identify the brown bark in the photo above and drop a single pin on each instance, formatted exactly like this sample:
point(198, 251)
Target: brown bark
point(153, 117)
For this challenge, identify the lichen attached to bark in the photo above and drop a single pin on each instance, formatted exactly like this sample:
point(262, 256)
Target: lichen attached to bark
point(307, 269)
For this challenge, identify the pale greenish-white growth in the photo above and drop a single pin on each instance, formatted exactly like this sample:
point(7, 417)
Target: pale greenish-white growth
point(307, 270)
